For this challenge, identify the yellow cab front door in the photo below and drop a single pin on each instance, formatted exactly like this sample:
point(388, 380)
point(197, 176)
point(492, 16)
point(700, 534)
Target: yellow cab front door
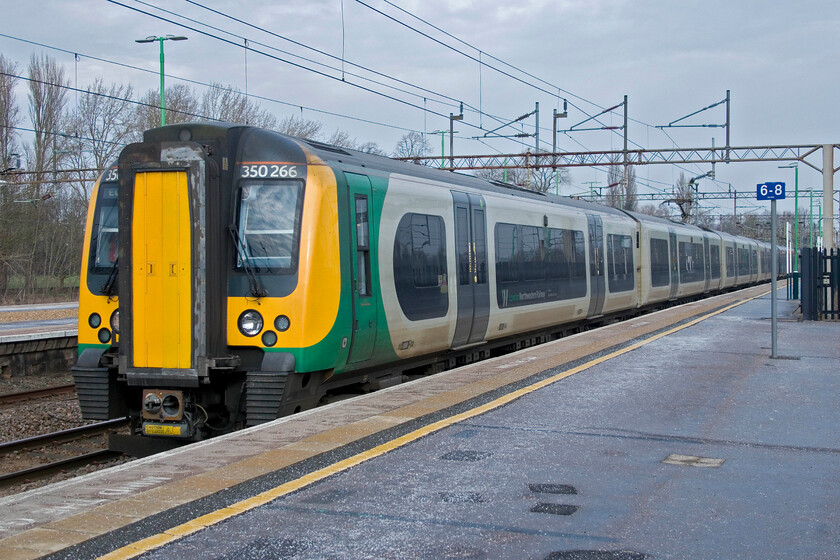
point(161, 271)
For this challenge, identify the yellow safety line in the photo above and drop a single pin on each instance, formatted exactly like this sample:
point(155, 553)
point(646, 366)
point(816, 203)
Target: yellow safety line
point(170, 535)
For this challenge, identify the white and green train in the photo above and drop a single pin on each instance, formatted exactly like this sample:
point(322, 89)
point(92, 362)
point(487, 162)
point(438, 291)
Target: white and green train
point(233, 275)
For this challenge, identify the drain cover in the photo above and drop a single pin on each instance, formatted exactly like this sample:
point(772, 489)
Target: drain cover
point(554, 509)
point(462, 455)
point(462, 498)
point(596, 555)
point(552, 489)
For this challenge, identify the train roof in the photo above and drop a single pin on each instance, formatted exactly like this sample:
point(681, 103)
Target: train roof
point(203, 131)
point(219, 131)
point(385, 164)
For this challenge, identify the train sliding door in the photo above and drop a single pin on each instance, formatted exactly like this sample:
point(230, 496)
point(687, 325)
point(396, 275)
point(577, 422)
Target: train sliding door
point(364, 308)
point(471, 258)
point(675, 266)
point(596, 265)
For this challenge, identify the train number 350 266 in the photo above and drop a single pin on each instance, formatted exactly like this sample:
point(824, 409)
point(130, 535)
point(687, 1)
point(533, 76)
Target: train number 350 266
point(271, 171)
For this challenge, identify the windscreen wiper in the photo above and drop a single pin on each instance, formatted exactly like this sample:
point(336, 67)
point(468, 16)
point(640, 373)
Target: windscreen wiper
point(107, 288)
point(253, 280)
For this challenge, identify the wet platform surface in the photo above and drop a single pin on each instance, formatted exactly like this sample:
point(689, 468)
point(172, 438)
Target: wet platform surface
point(632, 441)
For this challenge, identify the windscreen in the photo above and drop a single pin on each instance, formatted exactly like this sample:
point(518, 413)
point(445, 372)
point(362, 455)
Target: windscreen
point(269, 225)
point(104, 243)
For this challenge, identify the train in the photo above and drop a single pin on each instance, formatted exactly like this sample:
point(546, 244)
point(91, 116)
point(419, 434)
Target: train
point(233, 275)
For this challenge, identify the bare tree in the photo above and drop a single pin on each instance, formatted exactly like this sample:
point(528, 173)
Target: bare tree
point(9, 112)
point(413, 144)
point(341, 138)
point(42, 224)
point(181, 106)
point(542, 179)
point(621, 193)
point(9, 120)
point(684, 198)
point(228, 104)
point(660, 211)
point(371, 148)
point(47, 100)
point(300, 127)
point(102, 125)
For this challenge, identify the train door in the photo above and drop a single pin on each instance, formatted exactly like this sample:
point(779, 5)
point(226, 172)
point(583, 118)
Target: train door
point(675, 263)
point(596, 265)
point(707, 264)
point(471, 258)
point(364, 307)
point(161, 247)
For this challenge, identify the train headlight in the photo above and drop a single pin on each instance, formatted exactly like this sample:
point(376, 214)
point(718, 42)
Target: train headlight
point(151, 404)
point(269, 338)
point(115, 321)
point(104, 336)
point(282, 323)
point(94, 320)
point(250, 323)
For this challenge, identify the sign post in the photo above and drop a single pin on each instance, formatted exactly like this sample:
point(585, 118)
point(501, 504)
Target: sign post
point(772, 192)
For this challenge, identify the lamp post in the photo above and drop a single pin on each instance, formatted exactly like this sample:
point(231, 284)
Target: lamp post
point(795, 214)
point(152, 39)
point(811, 221)
point(452, 118)
point(442, 146)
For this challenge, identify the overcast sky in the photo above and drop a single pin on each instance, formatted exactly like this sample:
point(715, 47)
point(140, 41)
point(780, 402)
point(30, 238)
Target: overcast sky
point(778, 58)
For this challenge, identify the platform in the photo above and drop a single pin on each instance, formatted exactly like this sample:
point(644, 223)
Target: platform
point(673, 435)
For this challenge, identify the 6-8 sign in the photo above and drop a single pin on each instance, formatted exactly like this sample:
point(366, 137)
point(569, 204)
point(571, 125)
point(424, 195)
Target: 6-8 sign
point(770, 191)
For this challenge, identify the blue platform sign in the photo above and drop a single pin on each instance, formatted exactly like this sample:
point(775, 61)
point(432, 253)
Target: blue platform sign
point(770, 191)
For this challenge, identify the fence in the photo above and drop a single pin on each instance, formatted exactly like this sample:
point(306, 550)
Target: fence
point(820, 284)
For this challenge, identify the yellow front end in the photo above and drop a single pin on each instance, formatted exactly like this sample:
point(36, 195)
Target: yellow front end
point(97, 311)
point(313, 306)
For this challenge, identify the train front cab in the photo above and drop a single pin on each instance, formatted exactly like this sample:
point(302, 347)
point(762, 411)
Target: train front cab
point(211, 297)
point(100, 397)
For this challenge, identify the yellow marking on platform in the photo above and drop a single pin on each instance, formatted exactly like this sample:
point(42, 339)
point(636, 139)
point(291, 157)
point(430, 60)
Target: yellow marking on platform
point(195, 525)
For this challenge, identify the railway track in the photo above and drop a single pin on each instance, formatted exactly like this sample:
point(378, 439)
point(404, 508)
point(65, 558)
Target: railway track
point(23, 396)
point(40, 471)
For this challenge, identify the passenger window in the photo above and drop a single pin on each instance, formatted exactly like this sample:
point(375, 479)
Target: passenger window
point(660, 274)
point(620, 269)
point(537, 264)
point(420, 275)
point(362, 246)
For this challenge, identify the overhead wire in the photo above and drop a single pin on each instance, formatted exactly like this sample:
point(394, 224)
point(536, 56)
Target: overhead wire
point(277, 58)
point(107, 96)
point(304, 46)
point(517, 69)
point(341, 59)
point(289, 62)
point(453, 102)
point(205, 84)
